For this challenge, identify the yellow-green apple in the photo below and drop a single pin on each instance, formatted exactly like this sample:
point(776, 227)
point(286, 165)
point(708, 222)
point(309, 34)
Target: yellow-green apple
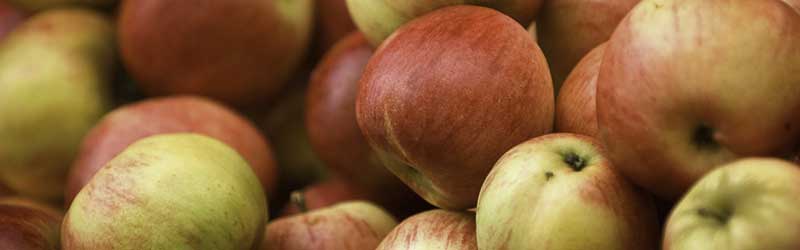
point(169, 191)
point(356, 225)
point(10, 17)
point(380, 18)
point(569, 29)
point(434, 229)
point(54, 75)
point(447, 94)
point(127, 124)
point(575, 105)
point(28, 225)
point(559, 191)
point(236, 51)
point(332, 23)
point(40, 5)
point(750, 203)
point(676, 98)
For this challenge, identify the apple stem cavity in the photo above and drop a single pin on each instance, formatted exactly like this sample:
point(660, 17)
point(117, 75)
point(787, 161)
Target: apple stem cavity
point(703, 137)
point(575, 161)
point(299, 200)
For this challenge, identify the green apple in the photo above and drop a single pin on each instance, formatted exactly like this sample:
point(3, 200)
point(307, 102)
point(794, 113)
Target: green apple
point(559, 191)
point(169, 191)
point(748, 204)
point(435, 229)
point(54, 79)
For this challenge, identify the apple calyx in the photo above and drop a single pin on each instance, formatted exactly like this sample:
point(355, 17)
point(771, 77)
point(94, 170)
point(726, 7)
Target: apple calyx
point(722, 216)
point(298, 199)
point(704, 138)
point(574, 161)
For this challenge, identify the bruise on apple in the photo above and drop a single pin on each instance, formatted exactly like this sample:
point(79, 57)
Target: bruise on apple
point(447, 94)
point(576, 111)
point(27, 225)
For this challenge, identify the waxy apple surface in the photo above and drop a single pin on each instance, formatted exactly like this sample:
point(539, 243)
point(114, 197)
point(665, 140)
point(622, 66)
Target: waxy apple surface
point(576, 111)
point(435, 229)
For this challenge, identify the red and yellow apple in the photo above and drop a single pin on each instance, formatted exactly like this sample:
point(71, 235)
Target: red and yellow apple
point(575, 105)
point(435, 229)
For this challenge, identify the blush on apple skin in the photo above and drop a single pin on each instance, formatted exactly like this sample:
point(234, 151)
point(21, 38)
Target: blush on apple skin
point(447, 94)
point(434, 229)
point(575, 106)
point(130, 123)
point(326, 193)
point(27, 225)
point(10, 17)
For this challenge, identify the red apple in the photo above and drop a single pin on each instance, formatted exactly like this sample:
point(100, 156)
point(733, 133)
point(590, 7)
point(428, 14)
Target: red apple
point(676, 98)
point(333, 23)
point(27, 225)
point(236, 51)
point(569, 29)
point(326, 193)
point(448, 94)
point(130, 123)
point(10, 17)
point(435, 229)
point(575, 106)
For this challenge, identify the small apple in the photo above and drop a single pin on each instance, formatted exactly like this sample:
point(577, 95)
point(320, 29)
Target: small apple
point(447, 94)
point(333, 23)
point(25, 224)
point(380, 18)
point(127, 124)
point(356, 225)
point(10, 17)
point(569, 29)
point(54, 76)
point(750, 203)
point(323, 194)
point(169, 191)
point(559, 191)
point(435, 229)
point(237, 51)
point(575, 106)
point(676, 99)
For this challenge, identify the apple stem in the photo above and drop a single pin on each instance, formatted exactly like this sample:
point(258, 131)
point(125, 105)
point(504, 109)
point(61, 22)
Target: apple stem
point(298, 199)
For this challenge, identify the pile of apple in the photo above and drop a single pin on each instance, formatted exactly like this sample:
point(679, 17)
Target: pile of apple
point(400, 124)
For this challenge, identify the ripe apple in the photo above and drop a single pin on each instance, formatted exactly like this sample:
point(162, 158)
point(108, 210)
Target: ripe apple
point(750, 203)
point(127, 124)
point(332, 23)
point(323, 194)
point(675, 99)
point(441, 100)
point(569, 29)
point(10, 17)
point(25, 224)
point(54, 75)
point(434, 229)
point(40, 5)
point(559, 191)
point(575, 106)
point(237, 51)
point(380, 18)
point(356, 225)
point(169, 191)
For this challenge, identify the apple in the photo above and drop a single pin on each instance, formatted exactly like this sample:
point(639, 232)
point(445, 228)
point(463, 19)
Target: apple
point(569, 29)
point(355, 225)
point(332, 23)
point(380, 18)
point(54, 75)
point(10, 17)
point(532, 30)
point(26, 224)
point(434, 229)
point(236, 51)
point(794, 3)
point(675, 99)
point(169, 191)
point(750, 203)
point(447, 94)
point(127, 124)
point(559, 191)
point(329, 192)
point(575, 105)
point(41, 5)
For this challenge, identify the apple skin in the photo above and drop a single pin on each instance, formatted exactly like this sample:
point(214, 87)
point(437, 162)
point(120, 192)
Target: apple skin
point(127, 124)
point(237, 51)
point(169, 191)
point(356, 225)
point(434, 229)
point(558, 191)
point(672, 104)
point(576, 111)
point(750, 203)
point(41, 5)
point(28, 225)
point(569, 29)
point(380, 18)
point(54, 75)
point(323, 194)
point(439, 102)
point(10, 17)
point(794, 3)
point(333, 23)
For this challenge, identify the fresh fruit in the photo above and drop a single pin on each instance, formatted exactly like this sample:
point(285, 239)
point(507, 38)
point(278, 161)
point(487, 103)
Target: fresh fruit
point(675, 99)
point(27, 225)
point(127, 124)
point(354, 225)
point(559, 191)
point(451, 91)
point(333, 23)
point(323, 194)
point(746, 204)
point(237, 51)
point(40, 5)
point(569, 29)
point(380, 18)
point(435, 229)
point(10, 17)
point(575, 106)
point(172, 191)
point(54, 75)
